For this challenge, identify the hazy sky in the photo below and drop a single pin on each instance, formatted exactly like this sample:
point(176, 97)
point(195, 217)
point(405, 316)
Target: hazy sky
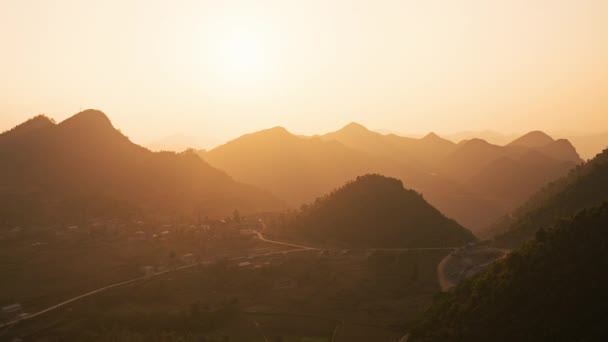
point(217, 69)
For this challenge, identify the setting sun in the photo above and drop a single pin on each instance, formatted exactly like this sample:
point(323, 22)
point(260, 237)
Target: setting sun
point(243, 58)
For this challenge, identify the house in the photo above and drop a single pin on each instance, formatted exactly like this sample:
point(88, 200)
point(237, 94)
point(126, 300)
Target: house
point(164, 235)
point(244, 264)
point(148, 270)
point(12, 310)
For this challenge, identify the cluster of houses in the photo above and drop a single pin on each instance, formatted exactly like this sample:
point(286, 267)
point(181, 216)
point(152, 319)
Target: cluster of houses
point(222, 229)
point(11, 311)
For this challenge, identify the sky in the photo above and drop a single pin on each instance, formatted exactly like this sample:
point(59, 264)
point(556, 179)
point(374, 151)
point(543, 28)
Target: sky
point(218, 69)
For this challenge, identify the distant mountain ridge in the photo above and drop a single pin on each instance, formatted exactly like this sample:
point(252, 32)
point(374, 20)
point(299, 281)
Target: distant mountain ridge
point(532, 139)
point(461, 180)
point(583, 187)
point(84, 162)
point(297, 169)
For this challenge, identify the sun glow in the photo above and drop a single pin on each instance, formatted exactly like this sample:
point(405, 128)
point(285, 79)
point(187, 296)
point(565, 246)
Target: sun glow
point(243, 56)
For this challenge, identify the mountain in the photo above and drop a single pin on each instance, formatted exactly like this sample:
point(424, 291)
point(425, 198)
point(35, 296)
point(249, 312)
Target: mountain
point(84, 166)
point(458, 179)
point(552, 289)
point(532, 139)
point(515, 179)
point(421, 153)
point(584, 186)
point(493, 137)
point(31, 126)
point(469, 157)
point(561, 149)
point(589, 145)
point(493, 179)
point(374, 211)
point(506, 175)
point(297, 169)
point(472, 156)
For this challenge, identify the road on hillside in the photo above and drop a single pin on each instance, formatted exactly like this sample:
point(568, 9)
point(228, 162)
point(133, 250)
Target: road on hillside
point(297, 248)
point(260, 236)
point(446, 282)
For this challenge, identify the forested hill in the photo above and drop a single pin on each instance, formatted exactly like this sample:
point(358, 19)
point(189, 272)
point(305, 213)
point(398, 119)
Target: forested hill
point(83, 167)
point(585, 186)
point(553, 289)
point(376, 211)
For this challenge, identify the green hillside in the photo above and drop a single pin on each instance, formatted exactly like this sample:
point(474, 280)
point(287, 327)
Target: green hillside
point(552, 289)
point(376, 211)
point(585, 186)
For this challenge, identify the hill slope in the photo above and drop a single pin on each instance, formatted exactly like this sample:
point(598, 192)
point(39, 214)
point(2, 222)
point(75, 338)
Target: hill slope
point(376, 211)
point(420, 153)
point(459, 180)
point(583, 187)
point(553, 289)
point(532, 139)
point(294, 168)
point(84, 166)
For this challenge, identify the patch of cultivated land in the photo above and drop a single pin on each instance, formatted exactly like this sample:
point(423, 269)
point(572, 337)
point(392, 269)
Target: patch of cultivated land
point(41, 272)
point(304, 294)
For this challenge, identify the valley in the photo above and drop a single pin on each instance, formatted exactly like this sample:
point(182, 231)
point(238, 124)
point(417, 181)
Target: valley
point(97, 257)
point(291, 272)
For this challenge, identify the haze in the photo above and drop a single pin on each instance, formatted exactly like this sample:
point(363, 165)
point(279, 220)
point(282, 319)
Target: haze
point(218, 69)
point(327, 171)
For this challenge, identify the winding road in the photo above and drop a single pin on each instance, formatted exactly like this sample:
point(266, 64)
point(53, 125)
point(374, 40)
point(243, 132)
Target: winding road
point(297, 248)
point(259, 235)
point(446, 282)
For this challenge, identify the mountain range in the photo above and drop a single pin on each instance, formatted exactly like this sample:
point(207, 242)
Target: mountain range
point(50, 165)
point(474, 182)
point(585, 186)
point(551, 287)
point(85, 167)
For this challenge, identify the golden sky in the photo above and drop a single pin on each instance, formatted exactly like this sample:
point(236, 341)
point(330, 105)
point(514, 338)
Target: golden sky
point(217, 69)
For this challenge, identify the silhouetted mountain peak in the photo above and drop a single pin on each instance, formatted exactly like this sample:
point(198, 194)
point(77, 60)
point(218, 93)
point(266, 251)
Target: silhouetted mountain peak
point(273, 135)
point(89, 121)
point(432, 136)
point(39, 120)
point(564, 143)
point(34, 124)
point(403, 217)
point(474, 143)
point(278, 130)
point(92, 114)
point(533, 139)
point(354, 127)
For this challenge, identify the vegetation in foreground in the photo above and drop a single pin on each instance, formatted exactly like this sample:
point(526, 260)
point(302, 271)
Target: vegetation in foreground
point(553, 289)
point(585, 186)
